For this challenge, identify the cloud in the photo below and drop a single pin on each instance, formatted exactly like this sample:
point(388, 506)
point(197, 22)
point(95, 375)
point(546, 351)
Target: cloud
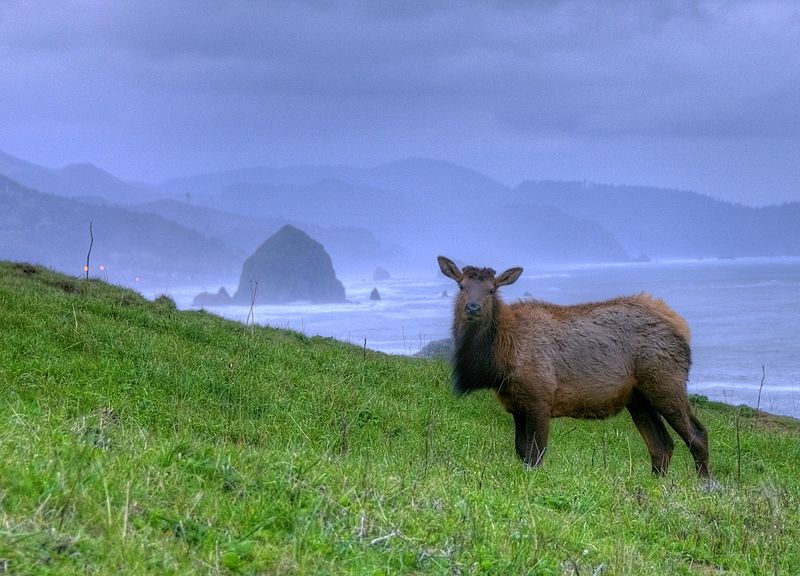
point(382, 79)
point(604, 67)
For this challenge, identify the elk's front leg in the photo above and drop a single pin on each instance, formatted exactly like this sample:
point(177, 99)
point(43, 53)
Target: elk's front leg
point(532, 429)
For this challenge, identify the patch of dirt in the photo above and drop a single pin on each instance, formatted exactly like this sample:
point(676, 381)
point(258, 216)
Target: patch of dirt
point(67, 286)
point(773, 422)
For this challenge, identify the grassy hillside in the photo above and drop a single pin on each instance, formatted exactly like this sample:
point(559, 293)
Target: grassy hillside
point(136, 439)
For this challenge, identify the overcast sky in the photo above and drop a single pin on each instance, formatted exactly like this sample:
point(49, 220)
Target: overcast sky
point(702, 96)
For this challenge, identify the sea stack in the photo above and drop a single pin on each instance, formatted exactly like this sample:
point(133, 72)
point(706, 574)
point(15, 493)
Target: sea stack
point(289, 266)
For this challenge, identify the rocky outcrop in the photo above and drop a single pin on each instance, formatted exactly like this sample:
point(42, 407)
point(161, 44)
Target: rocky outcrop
point(437, 349)
point(221, 298)
point(289, 266)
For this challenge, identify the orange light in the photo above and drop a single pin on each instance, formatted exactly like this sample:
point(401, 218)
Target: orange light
point(85, 268)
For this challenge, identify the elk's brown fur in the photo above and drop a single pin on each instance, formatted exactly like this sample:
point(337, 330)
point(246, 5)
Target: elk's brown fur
point(589, 360)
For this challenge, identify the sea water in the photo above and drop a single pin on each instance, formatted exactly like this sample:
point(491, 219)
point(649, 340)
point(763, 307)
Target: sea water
point(743, 314)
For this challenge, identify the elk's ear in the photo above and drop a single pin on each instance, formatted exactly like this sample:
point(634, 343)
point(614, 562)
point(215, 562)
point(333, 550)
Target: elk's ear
point(508, 277)
point(449, 268)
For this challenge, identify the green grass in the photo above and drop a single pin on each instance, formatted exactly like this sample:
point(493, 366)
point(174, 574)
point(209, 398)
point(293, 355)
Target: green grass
point(137, 439)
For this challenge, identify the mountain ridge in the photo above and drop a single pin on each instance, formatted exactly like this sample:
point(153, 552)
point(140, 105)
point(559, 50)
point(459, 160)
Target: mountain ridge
point(397, 213)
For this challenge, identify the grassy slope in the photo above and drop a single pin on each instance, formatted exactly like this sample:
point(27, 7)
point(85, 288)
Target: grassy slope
point(138, 439)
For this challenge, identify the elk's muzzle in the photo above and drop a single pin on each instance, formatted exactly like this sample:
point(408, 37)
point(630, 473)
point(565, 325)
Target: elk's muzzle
point(472, 310)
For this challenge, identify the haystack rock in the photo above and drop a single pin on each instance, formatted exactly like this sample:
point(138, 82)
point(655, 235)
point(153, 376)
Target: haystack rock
point(289, 266)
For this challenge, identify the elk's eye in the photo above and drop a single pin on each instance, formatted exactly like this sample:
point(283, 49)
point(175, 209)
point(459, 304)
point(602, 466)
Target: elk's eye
point(492, 290)
point(460, 286)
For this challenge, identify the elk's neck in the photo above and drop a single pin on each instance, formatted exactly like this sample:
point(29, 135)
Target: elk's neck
point(475, 360)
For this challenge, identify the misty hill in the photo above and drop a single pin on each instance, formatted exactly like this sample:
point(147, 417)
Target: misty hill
point(324, 203)
point(239, 231)
point(412, 177)
point(352, 249)
point(213, 183)
point(423, 206)
point(528, 234)
point(416, 177)
point(674, 223)
point(74, 180)
point(435, 223)
point(12, 165)
point(54, 231)
point(457, 209)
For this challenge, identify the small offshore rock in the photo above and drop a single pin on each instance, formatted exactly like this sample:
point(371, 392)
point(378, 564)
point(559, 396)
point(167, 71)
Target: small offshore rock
point(381, 274)
point(221, 298)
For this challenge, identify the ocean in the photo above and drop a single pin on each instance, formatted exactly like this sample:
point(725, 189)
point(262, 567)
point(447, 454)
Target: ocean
point(744, 315)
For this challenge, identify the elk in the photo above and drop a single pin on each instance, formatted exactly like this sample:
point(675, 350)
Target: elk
point(589, 360)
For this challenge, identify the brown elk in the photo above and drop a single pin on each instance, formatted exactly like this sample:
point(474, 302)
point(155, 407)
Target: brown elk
point(589, 360)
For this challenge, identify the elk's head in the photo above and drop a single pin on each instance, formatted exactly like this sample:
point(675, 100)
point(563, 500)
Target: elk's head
point(477, 286)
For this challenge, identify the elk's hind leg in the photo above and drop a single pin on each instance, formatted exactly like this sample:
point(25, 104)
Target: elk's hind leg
point(648, 422)
point(699, 447)
point(678, 414)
